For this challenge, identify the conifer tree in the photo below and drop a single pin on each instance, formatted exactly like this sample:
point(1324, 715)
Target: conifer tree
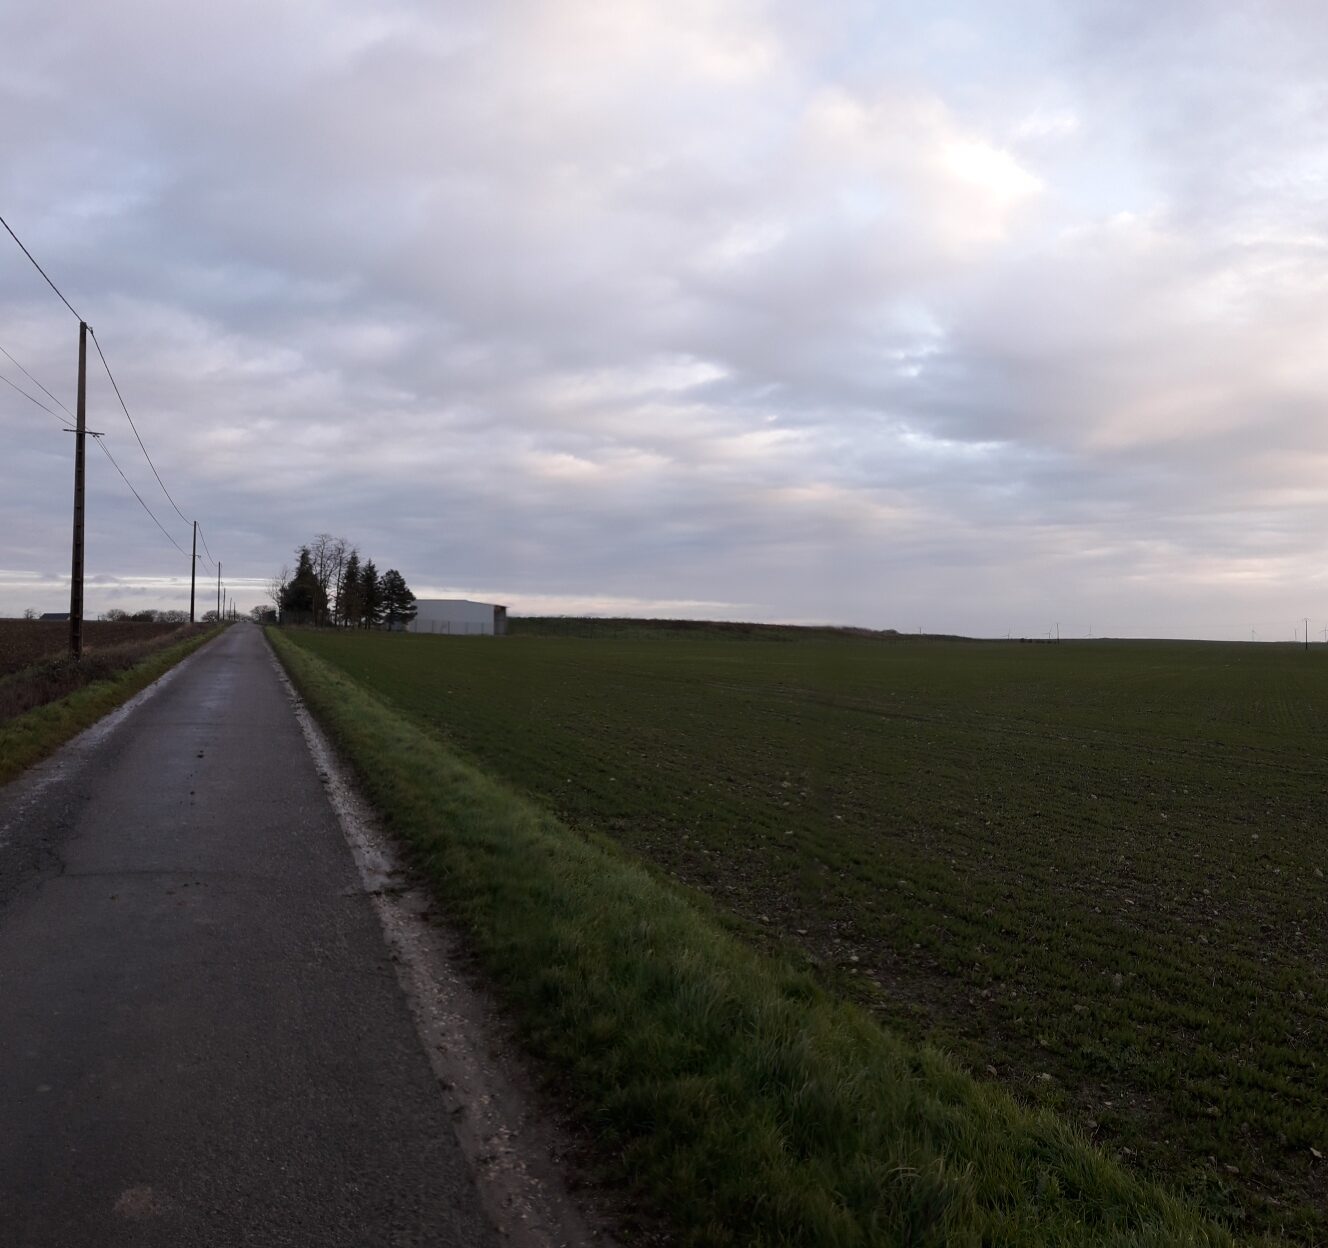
point(302, 598)
point(349, 595)
point(371, 596)
point(398, 602)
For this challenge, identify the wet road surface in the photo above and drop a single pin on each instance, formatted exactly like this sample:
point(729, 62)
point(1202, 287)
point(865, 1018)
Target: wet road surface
point(202, 1037)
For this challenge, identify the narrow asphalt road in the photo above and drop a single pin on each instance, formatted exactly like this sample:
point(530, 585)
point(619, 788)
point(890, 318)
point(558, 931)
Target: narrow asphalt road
point(202, 1038)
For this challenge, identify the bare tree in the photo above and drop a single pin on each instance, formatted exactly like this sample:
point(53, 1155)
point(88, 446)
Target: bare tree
point(340, 553)
point(328, 554)
point(277, 585)
point(320, 550)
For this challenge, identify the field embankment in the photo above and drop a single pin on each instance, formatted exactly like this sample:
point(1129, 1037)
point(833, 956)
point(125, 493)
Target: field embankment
point(44, 703)
point(752, 1104)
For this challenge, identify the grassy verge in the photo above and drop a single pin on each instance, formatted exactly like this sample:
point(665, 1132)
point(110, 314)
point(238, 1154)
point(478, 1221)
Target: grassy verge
point(35, 733)
point(741, 1098)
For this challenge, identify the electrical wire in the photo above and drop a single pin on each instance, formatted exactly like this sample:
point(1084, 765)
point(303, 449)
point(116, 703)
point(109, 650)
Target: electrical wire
point(96, 438)
point(38, 384)
point(134, 427)
point(29, 397)
point(203, 539)
point(138, 437)
point(138, 496)
point(118, 395)
point(38, 267)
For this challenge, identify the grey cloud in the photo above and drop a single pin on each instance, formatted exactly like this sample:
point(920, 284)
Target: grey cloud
point(835, 312)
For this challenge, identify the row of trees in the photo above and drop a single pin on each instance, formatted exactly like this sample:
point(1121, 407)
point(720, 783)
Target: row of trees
point(332, 587)
point(147, 616)
point(166, 617)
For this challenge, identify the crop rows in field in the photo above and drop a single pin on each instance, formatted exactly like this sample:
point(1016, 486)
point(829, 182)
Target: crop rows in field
point(1095, 871)
point(24, 642)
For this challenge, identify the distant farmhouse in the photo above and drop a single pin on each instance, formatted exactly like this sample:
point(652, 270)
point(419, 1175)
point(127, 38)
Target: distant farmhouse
point(54, 615)
point(458, 617)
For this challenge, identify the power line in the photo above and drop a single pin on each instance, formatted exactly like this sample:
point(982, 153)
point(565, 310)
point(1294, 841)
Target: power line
point(38, 267)
point(124, 407)
point(138, 496)
point(115, 386)
point(134, 427)
point(210, 559)
point(100, 443)
point(38, 384)
point(29, 397)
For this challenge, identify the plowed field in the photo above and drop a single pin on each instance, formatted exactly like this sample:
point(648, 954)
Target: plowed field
point(24, 642)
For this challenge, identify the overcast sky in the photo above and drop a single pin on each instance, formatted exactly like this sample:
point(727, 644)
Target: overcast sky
point(964, 317)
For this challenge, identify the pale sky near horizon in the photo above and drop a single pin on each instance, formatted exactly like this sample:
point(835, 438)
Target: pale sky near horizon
point(966, 317)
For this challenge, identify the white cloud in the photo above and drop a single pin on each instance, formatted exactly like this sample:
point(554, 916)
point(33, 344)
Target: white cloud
point(1046, 123)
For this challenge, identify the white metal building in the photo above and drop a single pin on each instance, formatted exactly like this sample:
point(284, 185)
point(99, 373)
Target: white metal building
point(458, 617)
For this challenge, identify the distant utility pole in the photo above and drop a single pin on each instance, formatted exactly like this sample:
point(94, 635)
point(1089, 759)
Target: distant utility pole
point(193, 573)
point(1058, 632)
point(1307, 634)
point(218, 591)
point(80, 442)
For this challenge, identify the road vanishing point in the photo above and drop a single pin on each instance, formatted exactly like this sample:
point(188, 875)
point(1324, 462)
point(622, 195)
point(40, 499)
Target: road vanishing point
point(203, 1039)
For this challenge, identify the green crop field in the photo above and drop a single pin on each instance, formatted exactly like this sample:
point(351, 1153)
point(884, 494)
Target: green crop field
point(1094, 872)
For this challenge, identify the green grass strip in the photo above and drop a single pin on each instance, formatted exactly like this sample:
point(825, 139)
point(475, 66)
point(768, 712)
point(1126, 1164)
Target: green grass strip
point(750, 1106)
point(29, 737)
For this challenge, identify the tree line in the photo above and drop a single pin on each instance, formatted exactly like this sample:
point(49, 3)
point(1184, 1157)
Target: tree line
point(331, 586)
point(147, 615)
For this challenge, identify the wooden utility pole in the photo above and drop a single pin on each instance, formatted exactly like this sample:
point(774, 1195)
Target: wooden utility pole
point(1307, 634)
point(218, 591)
point(80, 443)
point(193, 573)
